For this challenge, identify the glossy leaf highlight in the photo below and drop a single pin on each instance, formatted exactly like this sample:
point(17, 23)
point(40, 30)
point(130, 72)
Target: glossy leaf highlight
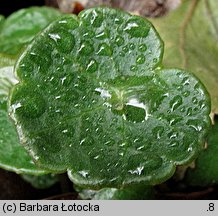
point(93, 100)
point(13, 156)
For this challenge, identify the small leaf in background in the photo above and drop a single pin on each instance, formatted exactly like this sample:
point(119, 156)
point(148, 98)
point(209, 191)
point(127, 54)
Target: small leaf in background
point(190, 34)
point(19, 29)
point(42, 181)
point(93, 100)
point(205, 172)
point(6, 60)
point(131, 193)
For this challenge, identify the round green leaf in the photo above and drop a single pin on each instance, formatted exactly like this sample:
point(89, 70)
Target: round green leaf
point(13, 156)
point(92, 99)
point(21, 27)
point(205, 172)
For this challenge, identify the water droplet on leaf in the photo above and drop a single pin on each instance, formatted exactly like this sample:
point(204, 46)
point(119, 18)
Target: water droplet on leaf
point(132, 46)
point(83, 173)
point(102, 35)
point(142, 48)
point(104, 50)
point(155, 60)
point(92, 66)
point(133, 68)
point(86, 48)
point(175, 102)
point(158, 131)
point(140, 59)
point(194, 100)
point(125, 49)
point(186, 93)
point(196, 124)
point(119, 40)
point(31, 105)
point(95, 18)
point(136, 28)
point(137, 171)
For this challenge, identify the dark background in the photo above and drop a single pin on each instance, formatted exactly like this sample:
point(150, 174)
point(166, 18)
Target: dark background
point(9, 6)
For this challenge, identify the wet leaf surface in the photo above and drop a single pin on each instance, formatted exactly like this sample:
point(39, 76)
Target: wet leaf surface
point(190, 34)
point(93, 100)
point(13, 156)
point(15, 33)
